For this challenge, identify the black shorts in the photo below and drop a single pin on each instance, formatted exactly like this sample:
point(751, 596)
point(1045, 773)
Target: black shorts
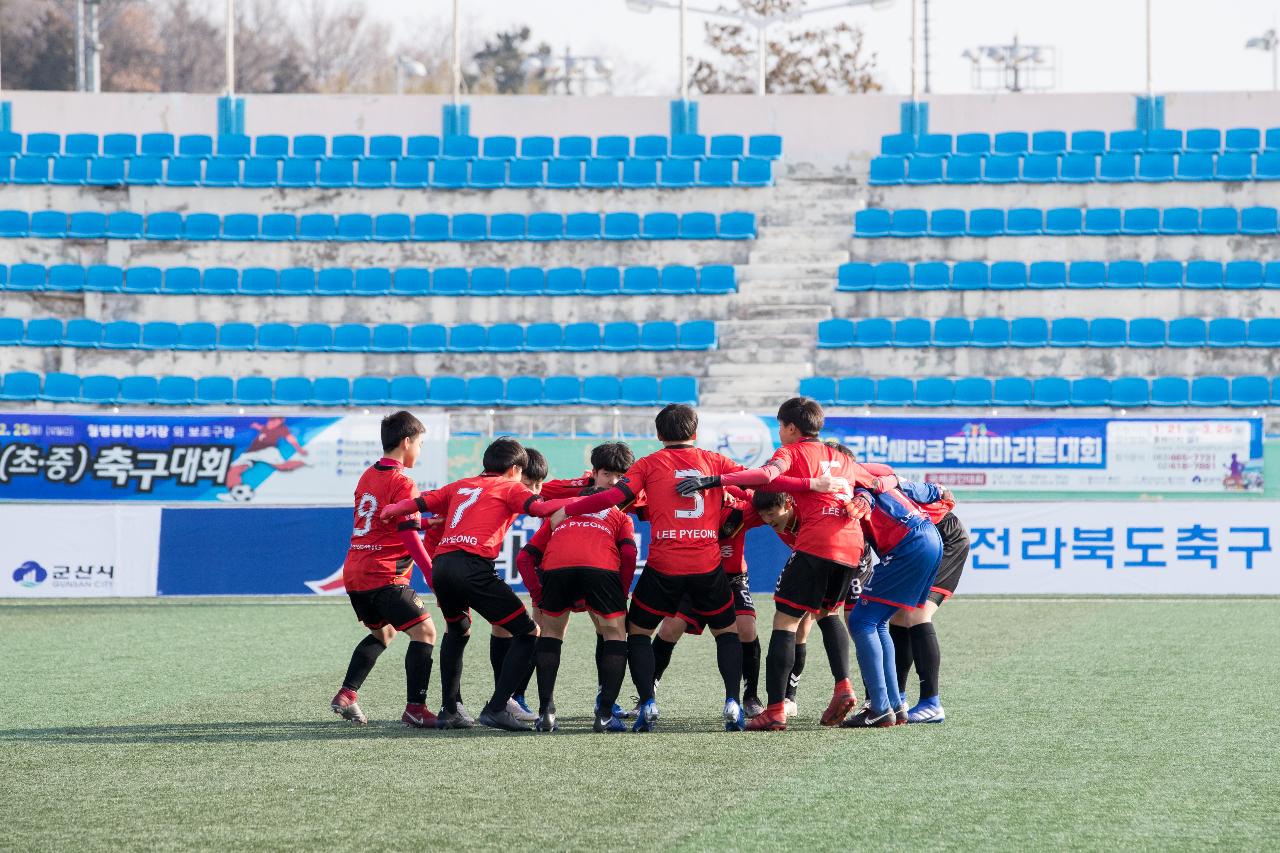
point(860, 578)
point(463, 580)
point(397, 605)
point(599, 589)
point(657, 595)
point(739, 585)
point(809, 584)
point(955, 556)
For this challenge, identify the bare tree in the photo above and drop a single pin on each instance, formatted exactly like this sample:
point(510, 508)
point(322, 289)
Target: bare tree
point(38, 45)
point(343, 49)
point(812, 61)
point(191, 50)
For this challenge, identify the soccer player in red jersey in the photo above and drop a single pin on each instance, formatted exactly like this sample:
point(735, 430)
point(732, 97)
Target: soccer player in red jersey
point(684, 555)
point(478, 513)
point(377, 571)
point(828, 548)
point(581, 561)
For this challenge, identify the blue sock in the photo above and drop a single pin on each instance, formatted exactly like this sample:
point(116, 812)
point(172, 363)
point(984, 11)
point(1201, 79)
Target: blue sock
point(865, 623)
point(890, 665)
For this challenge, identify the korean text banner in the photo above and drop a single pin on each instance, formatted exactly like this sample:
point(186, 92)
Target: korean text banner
point(1064, 454)
point(79, 552)
point(228, 458)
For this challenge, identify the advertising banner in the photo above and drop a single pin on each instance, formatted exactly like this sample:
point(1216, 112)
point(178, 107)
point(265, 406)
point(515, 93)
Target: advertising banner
point(1088, 455)
point(260, 459)
point(566, 457)
point(79, 552)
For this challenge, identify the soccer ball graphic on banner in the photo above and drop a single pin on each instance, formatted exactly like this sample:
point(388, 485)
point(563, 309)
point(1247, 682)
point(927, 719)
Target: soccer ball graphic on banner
point(240, 493)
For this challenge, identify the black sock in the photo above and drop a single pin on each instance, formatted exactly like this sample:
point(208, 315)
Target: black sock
point(498, 648)
point(901, 636)
point(611, 669)
point(362, 661)
point(600, 641)
point(522, 688)
point(797, 667)
point(513, 666)
point(546, 655)
point(928, 657)
point(729, 660)
point(751, 669)
point(835, 638)
point(783, 653)
point(451, 649)
point(640, 659)
point(662, 650)
point(417, 671)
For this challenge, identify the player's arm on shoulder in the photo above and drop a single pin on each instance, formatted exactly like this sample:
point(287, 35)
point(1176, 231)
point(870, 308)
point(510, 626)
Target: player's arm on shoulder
point(921, 493)
point(733, 474)
point(434, 501)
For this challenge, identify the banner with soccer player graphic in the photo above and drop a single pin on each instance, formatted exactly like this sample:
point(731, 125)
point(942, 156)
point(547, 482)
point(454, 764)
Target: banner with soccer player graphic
point(1084, 455)
point(236, 459)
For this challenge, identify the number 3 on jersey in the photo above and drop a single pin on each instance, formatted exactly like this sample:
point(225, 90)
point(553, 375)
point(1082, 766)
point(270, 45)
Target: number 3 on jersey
point(699, 505)
point(831, 467)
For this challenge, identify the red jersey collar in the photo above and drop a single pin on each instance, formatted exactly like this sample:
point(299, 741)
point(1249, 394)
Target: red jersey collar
point(387, 464)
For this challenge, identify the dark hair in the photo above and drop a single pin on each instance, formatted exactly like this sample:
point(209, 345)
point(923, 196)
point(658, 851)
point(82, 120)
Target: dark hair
point(397, 427)
point(590, 490)
point(803, 413)
point(768, 500)
point(612, 456)
point(536, 471)
point(835, 445)
point(676, 422)
point(502, 454)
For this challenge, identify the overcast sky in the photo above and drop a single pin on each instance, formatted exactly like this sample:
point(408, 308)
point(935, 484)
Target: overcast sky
point(1198, 45)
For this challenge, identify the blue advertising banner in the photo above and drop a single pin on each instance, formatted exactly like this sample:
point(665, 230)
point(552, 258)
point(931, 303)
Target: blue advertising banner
point(177, 458)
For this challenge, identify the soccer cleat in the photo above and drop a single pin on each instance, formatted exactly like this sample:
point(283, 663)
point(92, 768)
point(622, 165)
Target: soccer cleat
point(608, 724)
point(900, 714)
point(646, 717)
point(617, 709)
point(519, 710)
point(752, 707)
point(927, 711)
point(768, 720)
point(842, 702)
point(418, 717)
point(504, 720)
point(734, 719)
point(790, 708)
point(457, 719)
point(546, 722)
point(345, 707)
point(868, 719)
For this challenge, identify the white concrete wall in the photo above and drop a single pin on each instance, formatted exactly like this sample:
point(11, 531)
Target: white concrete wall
point(826, 130)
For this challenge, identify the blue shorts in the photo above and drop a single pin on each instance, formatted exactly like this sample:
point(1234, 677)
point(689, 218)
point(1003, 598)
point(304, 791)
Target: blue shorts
point(903, 576)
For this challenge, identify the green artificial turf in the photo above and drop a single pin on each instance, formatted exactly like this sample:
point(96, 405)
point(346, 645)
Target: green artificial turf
point(1072, 723)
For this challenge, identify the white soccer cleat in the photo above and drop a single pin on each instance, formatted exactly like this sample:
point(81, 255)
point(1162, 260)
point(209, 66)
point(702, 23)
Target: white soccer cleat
point(524, 716)
point(790, 708)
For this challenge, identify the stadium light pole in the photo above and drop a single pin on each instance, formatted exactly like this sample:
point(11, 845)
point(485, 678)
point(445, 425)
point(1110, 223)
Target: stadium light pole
point(1149, 48)
point(456, 66)
point(760, 22)
point(1268, 41)
point(79, 45)
point(231, 47)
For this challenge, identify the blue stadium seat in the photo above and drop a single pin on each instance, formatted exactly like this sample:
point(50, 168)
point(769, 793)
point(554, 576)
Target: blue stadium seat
point(1086, 274)
point(697, 335)
point(946, 222)
point(911, 332)
point(61, 388)
point(1210, 390)
point(391, 227)
point(431, 227)
point(678, 280)
point(330, 391)
point(564, 281)
point(1187, 332)
point(1170, 391)
point(292, 391)
point(1127, 140)
point(970, 275)
point(1064, 221)
point(43, 332)
point(389, 337)
point(258, 172)
point(616, 147)
point(930, 275)
point(688, 145)
point(410, 282)
point(1010, 142)
point(313, 337)
point(317, 226)
point(924, 170)
point(1155, 167)
point(851, 391)
point(87, 226)
point(1219, 220)
point(450, 174)
point(104, 172)
point(972, 143)
point(934, 143)
point(428, 337)
point(1001, 169)
point(544, 226)
point(581, 337)
point(564, 173)
point(74, 171)
point(181, 280)
point(66, 278)
point(1258, 220)
point(655, 335)
point(1106, 332)
point(460, 147)
point(699, 225)
point(311, 145)
point(601, 390)
point(1046, 275)
point(1025, 221)
point(1008, 275)
point(1078, 168)
point(1204, 275)
point(678, 389)
point(86, 145)
point(335, 173)
point(276, 337)
point(467, 337)
point(143, 280)
point(602, 173)
point(892, 275)
point(347, 146)
point(894, 391)
point(335, 281)
point(1125, 274)
point(990, 332)
point(602, 281)
point(855, 276)
point(160, 226)
point(1243, 275)
point(651, 147)
point(297, 281)
point(386, 147)
point(425, 146)
point(621, 337)
point(909, 222)
point(561, 391)
point(499, 147)
point(986, 222)
point(27, 277)
point(49, 224)
point(411, 173)
point(1204, 139)
point(234, 145)
point(577, 147)
point(201, 226)
point(617, 226)
point(1233, 166)
point(408, 391)
point(1011, 391)
point(934, 391)
point(235, 226)
point(871, 222)
point(280, 226)
point(638, 281)
point(160, 335)
point(543, 337)
point(1249, 391)
point(1163, 140)
point(1164, 275)
point(369, 391)
point(139, 389)
point(1227, 332)
point(820, 388)
point(523, 391)
point(488, 281)
point(505, 337)
point(964, 169)
point(1069, 332)
point(1051, 392)
point(660, 226)
point(100, 389)
point(1102, 221)
point(44, 144)
point(198, 337)
point(874, 332)
point(1050, 141)
point(1267, 167)
point(1029, 332)
point(220, 172)
point(714, 172)
point(887, 171)
point(1147, 332)
point(467, 227)
point(1040, 168)
point(1117, 166)
point(31, 170)
point(446, 281)
point(14, 223)
point(972, 391)
point(639, 173)
point(237, 336)
point(951, 332)
point(676, 173)
point(120, 145)
point(835, 333)
point(898, 144)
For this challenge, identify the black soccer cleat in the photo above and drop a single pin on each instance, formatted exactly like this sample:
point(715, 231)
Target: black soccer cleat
point(868, 719)
point(458, 719)
point(752, 707)
point(503, 719)
point(546, 722)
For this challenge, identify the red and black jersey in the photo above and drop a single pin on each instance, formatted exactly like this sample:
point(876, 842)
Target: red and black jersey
point(826, 530)
point(584, 541)
point(556, 489)
point(431, 534)
point(736, 518)
point(376, 556)
point(478, 512)
point(684, 531)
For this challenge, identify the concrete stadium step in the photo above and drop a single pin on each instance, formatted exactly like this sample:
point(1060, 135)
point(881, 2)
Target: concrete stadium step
point(788, 271)
point(1123, 303)
point(811, 287)
point(765, 368)
point(767, 329)
point(775, 298)
point(790, 310)
point(797, 257)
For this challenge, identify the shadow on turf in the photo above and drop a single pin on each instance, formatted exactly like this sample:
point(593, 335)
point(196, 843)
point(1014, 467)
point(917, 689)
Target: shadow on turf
point(299, 730)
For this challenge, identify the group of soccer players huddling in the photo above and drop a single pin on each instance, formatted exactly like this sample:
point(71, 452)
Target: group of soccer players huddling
point(832, 511)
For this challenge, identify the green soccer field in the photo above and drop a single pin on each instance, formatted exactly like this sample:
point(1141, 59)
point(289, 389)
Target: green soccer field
point(1085, 723)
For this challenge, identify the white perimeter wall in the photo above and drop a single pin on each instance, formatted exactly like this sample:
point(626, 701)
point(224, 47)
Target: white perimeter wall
point(825, 130)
